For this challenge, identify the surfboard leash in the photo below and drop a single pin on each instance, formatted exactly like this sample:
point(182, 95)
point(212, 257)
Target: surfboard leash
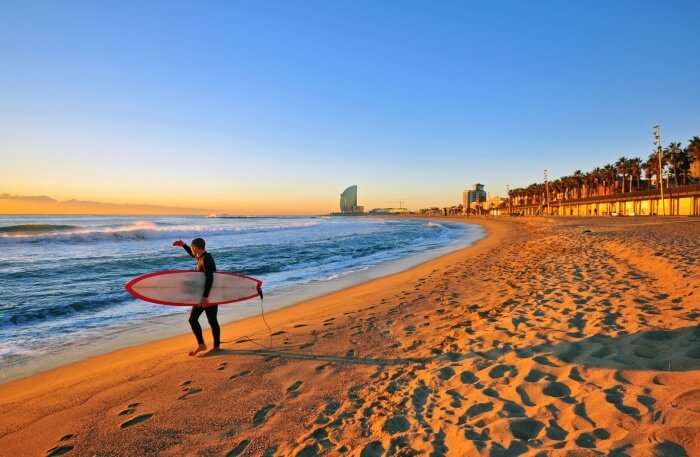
point(269, 329)
point(262, 313)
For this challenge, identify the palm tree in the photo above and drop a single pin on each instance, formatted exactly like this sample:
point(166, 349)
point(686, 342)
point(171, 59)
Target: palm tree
point(610, 178)
point(694, 154)
point(622, 167)
point(672, 156)
point(577, 179)
point(570, 186)
point(635, 170)
point(556, 188)
point(651, 167)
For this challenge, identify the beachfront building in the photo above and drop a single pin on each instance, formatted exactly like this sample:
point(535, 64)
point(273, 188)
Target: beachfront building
point(496, 205)
point(666, 183)
point(388, 211)
point(476, 195)
point(473, 200)
point(594, 200)
point(432, 211)
point(348, 202)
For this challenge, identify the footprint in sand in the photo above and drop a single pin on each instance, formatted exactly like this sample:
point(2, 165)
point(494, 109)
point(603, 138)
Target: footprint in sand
point(300, 325)
point(588, 440)
point(396, 424)
point(270, 452)
point(240, 374)
point(136, 420)
point(543, 360)
point(445, 373)
point(467, 377)
point(478, 409)
point(614, 395)
point(556, 389)
point(670, 449)
point(238, 450)
point(535, 375)
point(61, 449)
point(456, 398)
point(130, 409)
point(323, 366)
point(293, 390)
point(500, 370)
point(555, 432)
point(260, 416)
point(188, 392)
point(331, 407)
point(524, 396)
point(222, 366)
point(576, 375)
point(580, 410)
point(512, 409)
point(526, 429)
point(373, 449)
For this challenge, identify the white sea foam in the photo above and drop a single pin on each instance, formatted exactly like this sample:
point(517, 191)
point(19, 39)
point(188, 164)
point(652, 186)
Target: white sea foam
point(146, 229)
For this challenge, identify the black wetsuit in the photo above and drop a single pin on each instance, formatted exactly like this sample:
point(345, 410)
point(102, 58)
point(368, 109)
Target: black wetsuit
point(206, 264)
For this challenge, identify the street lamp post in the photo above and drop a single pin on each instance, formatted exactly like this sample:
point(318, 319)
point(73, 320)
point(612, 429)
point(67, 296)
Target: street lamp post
point(510, 205)
point(546, 189)
point(657, 140)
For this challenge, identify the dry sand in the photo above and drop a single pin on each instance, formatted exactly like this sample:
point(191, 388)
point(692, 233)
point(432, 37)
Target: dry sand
point(549, 337)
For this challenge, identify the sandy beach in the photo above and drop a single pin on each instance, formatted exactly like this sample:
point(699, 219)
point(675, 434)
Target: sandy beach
point(548, 337)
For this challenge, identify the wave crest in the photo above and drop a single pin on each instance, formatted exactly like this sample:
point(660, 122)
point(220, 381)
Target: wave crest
point(28, 229)
point(132, 231)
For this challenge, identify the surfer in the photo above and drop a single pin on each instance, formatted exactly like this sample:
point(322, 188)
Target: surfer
point(205, 263)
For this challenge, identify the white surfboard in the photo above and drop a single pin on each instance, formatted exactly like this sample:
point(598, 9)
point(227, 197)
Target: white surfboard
point(185, 287)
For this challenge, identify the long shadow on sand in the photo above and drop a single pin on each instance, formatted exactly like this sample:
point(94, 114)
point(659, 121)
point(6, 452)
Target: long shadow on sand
point(665, 350)
point(352, 360)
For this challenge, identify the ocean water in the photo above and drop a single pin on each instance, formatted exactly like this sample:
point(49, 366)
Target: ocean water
point(62, 278)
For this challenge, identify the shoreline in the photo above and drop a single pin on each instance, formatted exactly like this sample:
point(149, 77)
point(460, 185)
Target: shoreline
point(175, 324)
point(254, 323)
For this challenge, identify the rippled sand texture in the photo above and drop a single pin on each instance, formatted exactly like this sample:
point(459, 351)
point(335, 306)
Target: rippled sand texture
point(550, 337)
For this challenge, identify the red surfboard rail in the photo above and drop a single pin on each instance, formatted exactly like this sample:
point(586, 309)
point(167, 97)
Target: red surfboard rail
point(130, 287)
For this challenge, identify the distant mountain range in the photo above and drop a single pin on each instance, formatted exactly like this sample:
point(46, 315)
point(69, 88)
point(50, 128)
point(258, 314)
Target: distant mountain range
point(42, 204)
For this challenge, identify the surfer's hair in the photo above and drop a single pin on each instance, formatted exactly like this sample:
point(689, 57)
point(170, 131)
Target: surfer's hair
point(198, 243)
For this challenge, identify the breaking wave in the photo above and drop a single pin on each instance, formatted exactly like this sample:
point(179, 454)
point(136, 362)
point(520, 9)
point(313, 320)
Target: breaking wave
point(132, 231)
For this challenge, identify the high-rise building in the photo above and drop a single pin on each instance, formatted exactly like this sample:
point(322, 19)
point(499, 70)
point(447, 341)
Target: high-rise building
point(476, 195)
point(348, 201)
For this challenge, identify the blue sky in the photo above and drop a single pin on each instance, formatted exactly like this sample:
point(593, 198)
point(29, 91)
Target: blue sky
point(277, 106)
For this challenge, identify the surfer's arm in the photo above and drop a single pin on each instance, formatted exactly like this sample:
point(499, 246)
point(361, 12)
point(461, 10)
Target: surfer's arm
point(188, 250)
point(208, 275)
point(184, 246)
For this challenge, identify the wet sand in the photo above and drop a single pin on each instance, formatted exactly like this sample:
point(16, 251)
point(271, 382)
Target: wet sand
point(548, 337)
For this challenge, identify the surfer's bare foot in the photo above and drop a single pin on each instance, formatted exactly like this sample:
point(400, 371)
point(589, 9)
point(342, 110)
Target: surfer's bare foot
point(214, 350)
point(199, 349)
